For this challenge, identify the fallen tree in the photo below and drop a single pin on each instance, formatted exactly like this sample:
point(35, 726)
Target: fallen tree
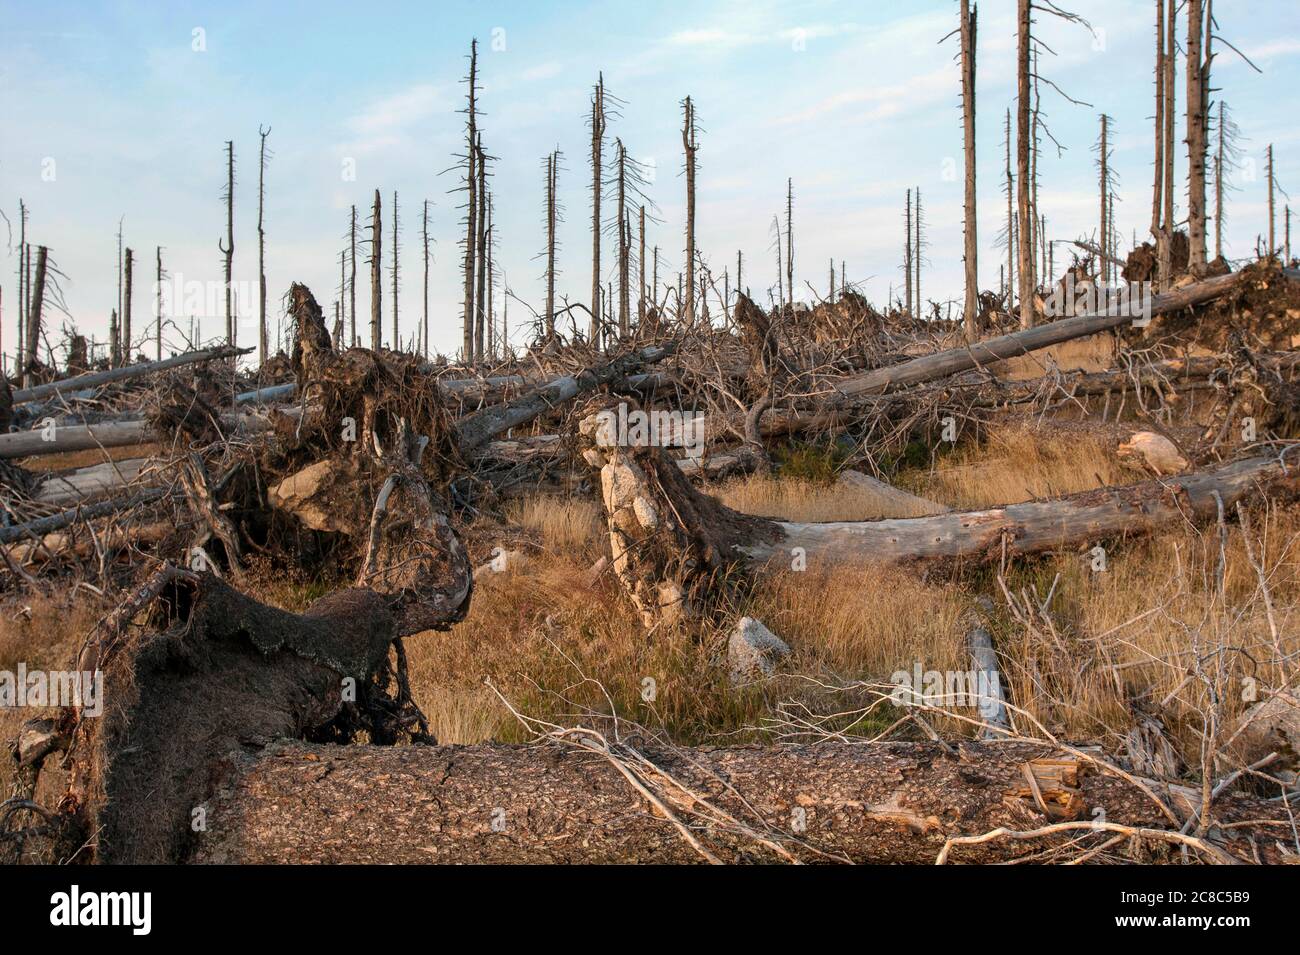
point(593, 801)
point(66, 386)
point(671, 543)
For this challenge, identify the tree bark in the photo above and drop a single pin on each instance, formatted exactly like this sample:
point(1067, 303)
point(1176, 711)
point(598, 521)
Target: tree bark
point(1025, 265)
point(941, 364)
point(531, 804)
point(971, 309)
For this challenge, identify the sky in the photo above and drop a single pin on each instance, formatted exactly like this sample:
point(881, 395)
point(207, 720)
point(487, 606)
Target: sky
point(118, 112)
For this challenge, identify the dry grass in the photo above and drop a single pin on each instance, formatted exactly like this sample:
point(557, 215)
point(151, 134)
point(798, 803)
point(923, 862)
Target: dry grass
point(562, 524)
point(812, 501)
point(1018, 463)
point(43, 633)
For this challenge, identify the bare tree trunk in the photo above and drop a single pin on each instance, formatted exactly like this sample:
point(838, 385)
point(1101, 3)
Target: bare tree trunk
point(689, 144)
point(1011, 224)
point(262, 331)
point(907, 256)
point(34, 314)
point(1024, 183)
point(21, 348)
point(640, 302)
point(1196, 137)
point(376, 258)
point(397, 340)
point(916, 256)
point(471, 226)
point(597, 155)
point(1164, 255)
point(228, 250)
point(789, 241)
point(491, 312)
point(552, 164)
point(971, 250)
point(158, 278)
point(624, 302)
point(352, 279)
point(126, 310)
point(1103, 235)
point(1218, 188)
point(424, 319)
point(1157, 191)
point(1272, 240)
point(480, 296)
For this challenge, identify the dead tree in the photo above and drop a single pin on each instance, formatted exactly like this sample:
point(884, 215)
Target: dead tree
point(491, 282)
point(689, 145)
point(552, 219)
point(23, 294)
point(480, 294)
point(971, 245)
point(471, 209)
point(789, 241)
point(397, 341)
point(126, 308)
point(158, 303)
point(1272, 183)
point(1198, 105)
point(1164, 246)
point(1158, 177)
point(597, 155)
point(34, 315)
point(1104, 238)
point(916, 256)
point(376, 293)
point(1008, 185)
point(228, 250)
point(641, 295)
point(1226, 157)
point(907, 256)
point(263, 349)
point(424, 236)
point(1025, 264)
point(352, 278)
point(621, 221)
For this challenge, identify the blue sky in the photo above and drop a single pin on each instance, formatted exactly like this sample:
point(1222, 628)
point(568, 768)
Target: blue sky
point(107, 110)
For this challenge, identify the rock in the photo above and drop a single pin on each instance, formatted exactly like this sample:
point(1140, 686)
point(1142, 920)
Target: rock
point(1156, 452)
point(753, 651)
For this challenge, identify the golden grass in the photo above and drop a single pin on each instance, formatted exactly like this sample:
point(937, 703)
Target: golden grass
point(811, 501)
point(1019, 463)
point(560, 523)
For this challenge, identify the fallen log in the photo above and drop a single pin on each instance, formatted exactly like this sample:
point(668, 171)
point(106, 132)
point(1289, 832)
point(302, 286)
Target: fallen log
point(95, 378)
point(59, 438)
point(551, 803)
point(55, 522)
point(954, 360)
point(670, 543)
point(482, 426)
point(90, 482)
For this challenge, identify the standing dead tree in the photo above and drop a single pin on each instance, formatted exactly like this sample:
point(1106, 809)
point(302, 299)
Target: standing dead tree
point(228, 250)
point(1227, 156)
point(352, 278)
point(471, 205)
point(424, 318)
point(597, 123)
point(1168, 68)
point(263, 352)
point(1010, 231)
point(1198, 108)
point(1025, 263)
point(789, 241)
point(376, 293)
point(126, 309)
point(34, 316)
point(397, 341)
point(689, 145)
point(916, 256)
point(1105, 186)
point(158, 301)
point(552, 220)
point(971, 244)
point(907, 255)
point(480, 256)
